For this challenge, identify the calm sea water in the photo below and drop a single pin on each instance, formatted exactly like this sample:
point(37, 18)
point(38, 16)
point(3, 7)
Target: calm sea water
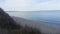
point(50, 17)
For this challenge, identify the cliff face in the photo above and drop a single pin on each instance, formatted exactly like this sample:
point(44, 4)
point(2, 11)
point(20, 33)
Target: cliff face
point(7, 22)
point(9, 26)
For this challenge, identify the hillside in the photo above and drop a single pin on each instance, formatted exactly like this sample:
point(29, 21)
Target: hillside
point(9, 26)
point(44, 28)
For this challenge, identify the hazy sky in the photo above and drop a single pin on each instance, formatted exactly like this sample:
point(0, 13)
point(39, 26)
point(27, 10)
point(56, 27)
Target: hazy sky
point(29, 5)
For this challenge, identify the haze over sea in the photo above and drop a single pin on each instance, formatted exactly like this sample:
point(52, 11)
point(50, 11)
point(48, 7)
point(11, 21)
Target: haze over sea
point(48, 17)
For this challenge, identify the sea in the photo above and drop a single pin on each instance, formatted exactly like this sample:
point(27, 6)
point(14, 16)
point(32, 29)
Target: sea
point(45, 16)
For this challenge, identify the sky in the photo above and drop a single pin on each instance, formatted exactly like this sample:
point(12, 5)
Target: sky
point(29, 5)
